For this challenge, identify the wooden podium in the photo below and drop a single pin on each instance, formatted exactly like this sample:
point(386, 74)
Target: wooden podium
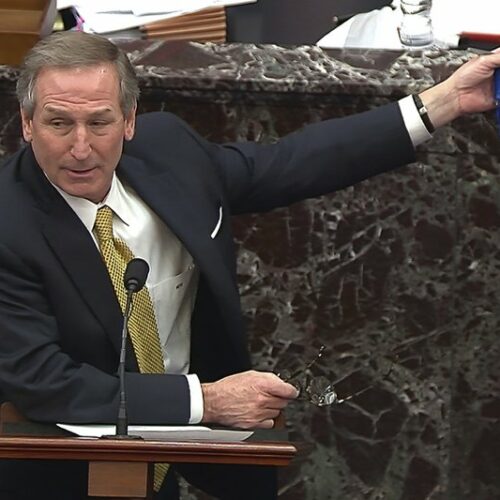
point(124, 469)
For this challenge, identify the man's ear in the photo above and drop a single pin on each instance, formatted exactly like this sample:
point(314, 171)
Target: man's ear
point(27, 124)
point(130, 124)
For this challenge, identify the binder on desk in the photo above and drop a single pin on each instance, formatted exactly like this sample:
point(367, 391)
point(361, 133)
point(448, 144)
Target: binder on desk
point(208, 25)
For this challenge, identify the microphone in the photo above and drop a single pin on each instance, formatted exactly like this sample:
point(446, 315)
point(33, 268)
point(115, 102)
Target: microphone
point(135, 275)
point(133, 280)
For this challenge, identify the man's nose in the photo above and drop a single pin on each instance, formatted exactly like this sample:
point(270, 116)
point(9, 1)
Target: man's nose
point(80, 148)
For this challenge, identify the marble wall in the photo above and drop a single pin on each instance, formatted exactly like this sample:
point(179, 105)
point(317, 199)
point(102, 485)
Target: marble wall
point(397, 276)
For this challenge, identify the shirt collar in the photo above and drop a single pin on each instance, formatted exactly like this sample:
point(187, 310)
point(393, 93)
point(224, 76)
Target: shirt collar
point(86, 210)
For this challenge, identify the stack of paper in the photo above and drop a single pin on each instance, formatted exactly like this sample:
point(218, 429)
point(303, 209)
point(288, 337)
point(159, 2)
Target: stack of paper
point(163, 433)
point(176, 19)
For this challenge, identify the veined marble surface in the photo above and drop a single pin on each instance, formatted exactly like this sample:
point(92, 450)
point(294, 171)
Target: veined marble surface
point(398, 276)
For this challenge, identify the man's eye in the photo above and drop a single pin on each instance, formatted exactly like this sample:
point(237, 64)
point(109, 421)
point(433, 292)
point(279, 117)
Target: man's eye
point(98, 123)
point(58, 123)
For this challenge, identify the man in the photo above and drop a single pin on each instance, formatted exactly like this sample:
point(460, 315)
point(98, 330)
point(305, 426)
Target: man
point(168, 195)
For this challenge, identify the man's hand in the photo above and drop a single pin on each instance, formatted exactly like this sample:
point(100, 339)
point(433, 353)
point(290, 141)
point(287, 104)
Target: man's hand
point(468, 90)
point(246, 400)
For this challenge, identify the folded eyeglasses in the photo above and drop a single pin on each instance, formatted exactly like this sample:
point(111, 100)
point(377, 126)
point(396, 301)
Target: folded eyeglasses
point(319, 390)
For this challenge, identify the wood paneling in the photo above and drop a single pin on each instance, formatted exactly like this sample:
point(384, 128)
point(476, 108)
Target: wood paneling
point(22, 24)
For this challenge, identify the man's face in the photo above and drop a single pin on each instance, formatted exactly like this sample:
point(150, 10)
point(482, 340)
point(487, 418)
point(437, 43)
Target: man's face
point(78, 128)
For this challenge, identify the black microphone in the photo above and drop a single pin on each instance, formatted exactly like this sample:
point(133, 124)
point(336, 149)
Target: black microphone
point(133, 280)
point(135, 275)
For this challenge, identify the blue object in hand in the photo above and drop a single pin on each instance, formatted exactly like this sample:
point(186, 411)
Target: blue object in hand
point(497, 96)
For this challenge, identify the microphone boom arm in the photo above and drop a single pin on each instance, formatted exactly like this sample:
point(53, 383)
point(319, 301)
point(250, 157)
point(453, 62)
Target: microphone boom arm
point(122, 420)
point(133, 281)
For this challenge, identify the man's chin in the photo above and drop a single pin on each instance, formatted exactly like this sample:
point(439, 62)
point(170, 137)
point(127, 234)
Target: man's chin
point(91, 193)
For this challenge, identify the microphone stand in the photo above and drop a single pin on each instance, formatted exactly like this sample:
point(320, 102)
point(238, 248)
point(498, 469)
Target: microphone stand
point(122, 420)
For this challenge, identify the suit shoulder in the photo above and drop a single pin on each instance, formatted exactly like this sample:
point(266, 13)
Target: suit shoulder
point(156, 118)
point(160, 123)
point(159, 131)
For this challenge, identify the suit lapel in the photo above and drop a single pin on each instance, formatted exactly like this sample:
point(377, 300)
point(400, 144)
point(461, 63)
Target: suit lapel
point(191, 216)
point(75, 249)
point(79, 255)
point(187, 214)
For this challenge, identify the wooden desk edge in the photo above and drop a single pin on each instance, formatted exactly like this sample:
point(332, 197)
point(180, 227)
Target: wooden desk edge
point(92, 449)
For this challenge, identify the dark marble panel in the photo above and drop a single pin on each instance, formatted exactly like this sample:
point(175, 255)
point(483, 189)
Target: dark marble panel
point(188, 75)
point(475, 405)
point(10, 124)
point(397, 276)
point(368, 272)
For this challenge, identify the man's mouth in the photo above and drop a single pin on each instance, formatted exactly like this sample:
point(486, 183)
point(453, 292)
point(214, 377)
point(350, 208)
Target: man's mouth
point(80, 170)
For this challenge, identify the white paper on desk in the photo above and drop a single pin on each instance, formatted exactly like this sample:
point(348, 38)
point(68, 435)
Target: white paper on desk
point(107, 16)
point(162, 433)
point(106, 23)
point(146, 7)
point(375, 29)
point(456, 16)
point(378, 29)
point(142, 7)
point(155, 7)
point(139, 8)
point(98, 6)
point(63, 4)
point(116, 6)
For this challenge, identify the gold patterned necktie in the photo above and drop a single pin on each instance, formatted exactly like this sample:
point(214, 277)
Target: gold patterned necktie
point(143, 330)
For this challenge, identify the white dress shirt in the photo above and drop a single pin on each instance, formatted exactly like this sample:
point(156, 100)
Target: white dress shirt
point(172, 280)
point(414, 124)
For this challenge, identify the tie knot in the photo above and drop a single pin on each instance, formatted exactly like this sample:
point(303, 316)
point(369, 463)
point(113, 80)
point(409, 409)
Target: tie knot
point(103, 225)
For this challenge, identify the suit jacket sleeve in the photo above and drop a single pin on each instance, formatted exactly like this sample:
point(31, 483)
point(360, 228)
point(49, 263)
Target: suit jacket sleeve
point(320, 158)
point(56, 364)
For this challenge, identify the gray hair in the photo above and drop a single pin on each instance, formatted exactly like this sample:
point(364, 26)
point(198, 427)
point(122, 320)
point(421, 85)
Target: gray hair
point(74, 49)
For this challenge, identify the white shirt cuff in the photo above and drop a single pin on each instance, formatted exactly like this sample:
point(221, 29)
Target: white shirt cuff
point(414, 124)
point(196, 396)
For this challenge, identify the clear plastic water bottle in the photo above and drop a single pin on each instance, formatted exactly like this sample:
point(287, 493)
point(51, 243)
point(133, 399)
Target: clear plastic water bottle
point(416, 25)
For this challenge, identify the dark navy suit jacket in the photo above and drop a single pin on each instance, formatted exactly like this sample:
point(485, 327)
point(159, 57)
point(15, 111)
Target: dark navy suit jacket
point(60, 322)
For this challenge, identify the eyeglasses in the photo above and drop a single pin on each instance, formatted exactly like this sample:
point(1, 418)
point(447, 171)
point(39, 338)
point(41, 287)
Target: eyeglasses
point(319, 390)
